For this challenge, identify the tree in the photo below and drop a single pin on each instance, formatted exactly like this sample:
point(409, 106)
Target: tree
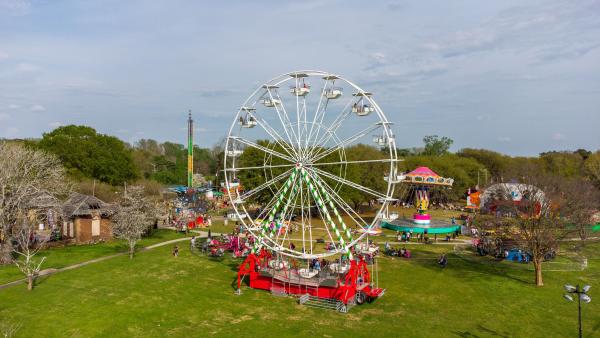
point(592, 167)
point(30, 181)
point(434, 145)
point(583, 153)
point(495, 163)
point(534, 221)
point(580, 202)
point(87, 153)
point(27, 247)
point(135, 215)
point(562, 163)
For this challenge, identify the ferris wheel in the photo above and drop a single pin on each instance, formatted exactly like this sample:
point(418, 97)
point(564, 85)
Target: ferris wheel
point(293, 162)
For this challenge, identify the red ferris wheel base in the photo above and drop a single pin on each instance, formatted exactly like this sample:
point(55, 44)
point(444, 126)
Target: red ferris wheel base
point(345, 287)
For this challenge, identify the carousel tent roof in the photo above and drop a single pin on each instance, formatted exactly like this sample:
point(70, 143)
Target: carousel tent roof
point(426, 176)
point(423, 171)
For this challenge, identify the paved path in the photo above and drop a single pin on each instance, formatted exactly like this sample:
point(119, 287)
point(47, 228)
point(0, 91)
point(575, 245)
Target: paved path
point(51, 271)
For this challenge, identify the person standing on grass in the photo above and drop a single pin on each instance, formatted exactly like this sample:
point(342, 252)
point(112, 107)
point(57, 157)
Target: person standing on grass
point(192, 243)
point(175, 251)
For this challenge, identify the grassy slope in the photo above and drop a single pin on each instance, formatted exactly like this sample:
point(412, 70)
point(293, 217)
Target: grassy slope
point(159, 295)
point(63, 256)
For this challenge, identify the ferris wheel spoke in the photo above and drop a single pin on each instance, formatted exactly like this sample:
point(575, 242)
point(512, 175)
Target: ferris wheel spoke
point(345, 142)
point(330, 199)
point(350, 183)
point(340, 201)
point(274, 134)
point(324, 219)
point(274, 207)
point(282, 220)
point(298, 116)
point(302, 217)
point(261, 187)
point(384, 160)
point(269, 205)
point(323, 138)
point(265, 149)
point(281, 115)
point(317, 111)
point(260, 167)
point(326, 216)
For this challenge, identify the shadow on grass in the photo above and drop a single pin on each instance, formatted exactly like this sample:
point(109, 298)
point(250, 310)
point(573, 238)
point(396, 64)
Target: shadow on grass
point(484, 330)
point(467, 267)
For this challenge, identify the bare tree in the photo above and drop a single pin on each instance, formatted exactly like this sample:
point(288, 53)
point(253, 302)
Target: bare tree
point(581, 200)
point(135, 215)
point(28, 180)
point(528, 213)
point(28, 244)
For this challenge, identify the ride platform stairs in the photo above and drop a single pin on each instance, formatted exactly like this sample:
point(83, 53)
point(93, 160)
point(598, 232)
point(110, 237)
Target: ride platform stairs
point(326, 303)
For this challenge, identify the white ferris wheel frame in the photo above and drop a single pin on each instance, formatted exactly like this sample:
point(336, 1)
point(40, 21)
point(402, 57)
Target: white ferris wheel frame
point(289, 136)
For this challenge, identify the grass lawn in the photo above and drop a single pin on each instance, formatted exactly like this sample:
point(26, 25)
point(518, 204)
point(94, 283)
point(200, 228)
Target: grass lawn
point(159, 295)
point(60, 257)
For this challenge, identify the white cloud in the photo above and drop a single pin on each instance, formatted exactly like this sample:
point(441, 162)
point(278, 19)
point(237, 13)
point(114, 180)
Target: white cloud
point(3, 55)
point(37, 108)
point(14, 7)
point(558, 137)
point(13, 106)
point(27, 67)
point(4, 117)
point(504, 139)
point(55, 124)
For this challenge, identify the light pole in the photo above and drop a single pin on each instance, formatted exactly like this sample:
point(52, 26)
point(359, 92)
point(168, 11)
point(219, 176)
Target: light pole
point(581, 296)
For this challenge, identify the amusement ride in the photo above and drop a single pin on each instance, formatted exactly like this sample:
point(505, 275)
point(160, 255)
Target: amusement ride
point(307, 240)
point(419, 183)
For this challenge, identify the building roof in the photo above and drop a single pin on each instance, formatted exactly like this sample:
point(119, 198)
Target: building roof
point(85, 205)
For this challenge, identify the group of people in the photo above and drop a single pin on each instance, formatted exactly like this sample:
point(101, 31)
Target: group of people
point(401, 252)
point(405, 236)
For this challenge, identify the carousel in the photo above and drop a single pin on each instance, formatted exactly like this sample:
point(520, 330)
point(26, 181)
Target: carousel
point(420, 183)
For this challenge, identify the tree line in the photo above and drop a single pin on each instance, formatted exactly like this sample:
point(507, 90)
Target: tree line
point(89, 155)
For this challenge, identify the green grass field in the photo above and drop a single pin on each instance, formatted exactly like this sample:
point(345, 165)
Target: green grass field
point(60, 257)
point(159, 295)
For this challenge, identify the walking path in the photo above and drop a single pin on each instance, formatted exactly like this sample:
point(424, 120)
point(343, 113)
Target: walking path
point(51, 271)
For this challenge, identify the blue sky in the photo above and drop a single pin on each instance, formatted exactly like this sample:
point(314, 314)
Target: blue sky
point(519, 77)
